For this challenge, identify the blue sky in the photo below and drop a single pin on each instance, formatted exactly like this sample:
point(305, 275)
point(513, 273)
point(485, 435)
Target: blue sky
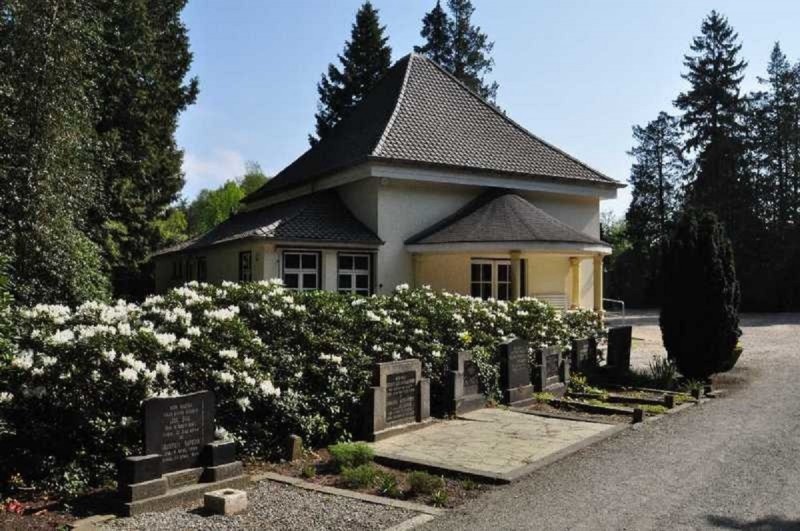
point(577, 73)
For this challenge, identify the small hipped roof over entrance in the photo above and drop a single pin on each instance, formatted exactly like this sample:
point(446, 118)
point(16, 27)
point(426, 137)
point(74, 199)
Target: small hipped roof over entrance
point(420, 115)
point(502, 220)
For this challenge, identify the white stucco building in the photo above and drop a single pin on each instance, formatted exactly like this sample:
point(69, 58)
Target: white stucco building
point(423, 183)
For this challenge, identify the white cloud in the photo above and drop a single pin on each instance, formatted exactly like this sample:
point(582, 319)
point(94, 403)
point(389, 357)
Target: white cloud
point(210, 169)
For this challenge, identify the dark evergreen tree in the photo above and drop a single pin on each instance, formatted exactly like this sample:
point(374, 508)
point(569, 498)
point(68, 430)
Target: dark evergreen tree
point(144, 60)
point(437, 30)
point(657, 174)
point(712, 117)
point(365, 60)
point(471, 55)
point(50, 155)
point(700, 307)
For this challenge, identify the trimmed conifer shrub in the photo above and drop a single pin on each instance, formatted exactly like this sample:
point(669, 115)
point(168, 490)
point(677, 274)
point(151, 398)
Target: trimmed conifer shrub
point(700, 307)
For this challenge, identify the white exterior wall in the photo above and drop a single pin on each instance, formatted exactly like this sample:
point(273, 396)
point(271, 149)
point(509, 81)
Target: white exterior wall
point(222, 263)
point(404, 209)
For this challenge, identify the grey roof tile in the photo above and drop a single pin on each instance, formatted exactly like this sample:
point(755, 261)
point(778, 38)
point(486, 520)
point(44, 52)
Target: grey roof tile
point(420, 114)
point(320, 217)
point(501, 216)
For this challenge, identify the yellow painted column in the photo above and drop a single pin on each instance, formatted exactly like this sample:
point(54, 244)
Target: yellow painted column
point(598, 283)
point(416, 270)
point(575, 273)
point(516, 275)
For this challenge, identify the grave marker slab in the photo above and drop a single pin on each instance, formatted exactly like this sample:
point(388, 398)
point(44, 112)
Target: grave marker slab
point(515, 373)
point(551, 370)
point(465, 386)
point(399, 399)
point(619, 347)
point(183, 460)
point(583, 355)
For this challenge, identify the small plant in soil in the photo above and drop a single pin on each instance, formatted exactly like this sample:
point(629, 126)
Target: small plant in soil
point(578, 383)
point(439, 497)
point(543, 396)
point(387, 485)
point(360, 477)
point(468, 484)
point(308, 471)
point(420, 482)
point(662, 372)
point(350, 455)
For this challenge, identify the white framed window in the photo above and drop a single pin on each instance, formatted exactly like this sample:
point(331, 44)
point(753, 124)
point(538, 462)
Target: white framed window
point(353, 273)
point(490, 279)
point(301, 270)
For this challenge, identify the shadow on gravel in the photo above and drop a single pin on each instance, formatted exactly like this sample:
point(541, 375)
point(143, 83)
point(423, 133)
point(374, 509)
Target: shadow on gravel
point(768, 523)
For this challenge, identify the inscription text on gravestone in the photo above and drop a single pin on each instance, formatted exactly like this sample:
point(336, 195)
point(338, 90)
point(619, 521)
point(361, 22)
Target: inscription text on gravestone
point(178, 428)
point(401, 397)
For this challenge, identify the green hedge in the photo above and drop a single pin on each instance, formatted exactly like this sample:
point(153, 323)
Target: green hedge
point(278, 362)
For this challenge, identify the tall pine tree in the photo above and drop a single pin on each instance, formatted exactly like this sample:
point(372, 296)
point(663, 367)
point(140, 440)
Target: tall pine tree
point(712, 118)
point(657, 174)
point(436, 30)
point(145, 58)
point(458, 46)
point(365, 60)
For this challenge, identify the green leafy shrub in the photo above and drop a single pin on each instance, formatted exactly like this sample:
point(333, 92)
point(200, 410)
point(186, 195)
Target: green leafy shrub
point(421, 482)
point(579, 383)
point(387, 485)
point(308, 471)
point(278, 362)
point(662, 372)
point(439, 497)
point(360, 477)
point(349, 455)
point(700, 309)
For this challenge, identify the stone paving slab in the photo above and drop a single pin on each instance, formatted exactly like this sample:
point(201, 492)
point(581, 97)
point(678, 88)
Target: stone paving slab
point(491, 444)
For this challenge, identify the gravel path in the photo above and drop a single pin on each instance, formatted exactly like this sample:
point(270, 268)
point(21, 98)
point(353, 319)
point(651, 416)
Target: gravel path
point(276, 506)
point(730, 463)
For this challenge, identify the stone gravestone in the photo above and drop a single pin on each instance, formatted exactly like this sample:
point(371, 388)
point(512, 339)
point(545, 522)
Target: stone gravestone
point(465, 387)
point(182, 460)
point(583, 354)
point(515, 373)
point(552, 371)
point(399, 399)
point(619, 348)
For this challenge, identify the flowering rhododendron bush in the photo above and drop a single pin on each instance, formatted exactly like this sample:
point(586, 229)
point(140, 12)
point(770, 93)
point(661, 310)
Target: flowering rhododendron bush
point(278, 362)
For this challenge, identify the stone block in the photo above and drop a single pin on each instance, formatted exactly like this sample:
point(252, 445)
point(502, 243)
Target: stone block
point(399, 397)
point(638, 415)
point(619, 348)
point(464, 385)
point(139, 468)
point(669, 401)
point(225, 501)
point(515, 372)
point(141, 491)
point(219, 453)
point(223, 472)
point(181, 478)
point(294, 448)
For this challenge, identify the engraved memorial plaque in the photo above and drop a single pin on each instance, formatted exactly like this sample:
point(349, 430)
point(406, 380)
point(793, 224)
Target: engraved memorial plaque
point(401, 397)
point(472, 379)
point(178, 428)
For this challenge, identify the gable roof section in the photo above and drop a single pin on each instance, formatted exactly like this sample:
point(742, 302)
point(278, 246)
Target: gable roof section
point(501, 216)
point(420, 114)
point(321, 217)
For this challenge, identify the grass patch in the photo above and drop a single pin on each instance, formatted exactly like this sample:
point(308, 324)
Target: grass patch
point(420, 482)
point(543, 396)
point(387, 485)
point(651, 408)
point(350, 455)
point(360, 477)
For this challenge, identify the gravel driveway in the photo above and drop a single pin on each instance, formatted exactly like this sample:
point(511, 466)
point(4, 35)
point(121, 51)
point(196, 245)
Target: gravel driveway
point(276, 506)
point(731, 463)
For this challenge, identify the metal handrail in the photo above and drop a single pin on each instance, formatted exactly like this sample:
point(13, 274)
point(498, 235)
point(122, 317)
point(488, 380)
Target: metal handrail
point(616, 301)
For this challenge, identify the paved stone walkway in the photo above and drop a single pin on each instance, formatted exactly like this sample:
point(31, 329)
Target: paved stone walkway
point(493, 443)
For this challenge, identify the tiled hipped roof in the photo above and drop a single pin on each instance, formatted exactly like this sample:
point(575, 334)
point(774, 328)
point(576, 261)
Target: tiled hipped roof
point(421, 115)
point(318, 217)
point(501, 216)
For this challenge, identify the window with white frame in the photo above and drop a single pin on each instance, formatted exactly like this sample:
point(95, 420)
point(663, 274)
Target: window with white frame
point(301, 270)
point(353, 273)
point(490, 279)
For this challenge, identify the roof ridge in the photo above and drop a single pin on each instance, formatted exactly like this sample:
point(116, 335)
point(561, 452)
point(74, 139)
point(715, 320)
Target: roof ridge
point(397, 102)
point(505, 117)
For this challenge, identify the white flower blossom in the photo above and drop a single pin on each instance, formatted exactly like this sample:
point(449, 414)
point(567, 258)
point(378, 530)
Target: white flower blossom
point(61, 337)
point(222, 314)
point(409, 350)
point(48, 361)
point(244, 403)
point(248, 362)
point(401, 287)
point(184, 343)
point(229, 354)
point(23, 360)
point(268, 389)
point(109, 355)
point(6, 397)
point(276, 313)
point(193, 331)
point(163, 369)
point(224, 376)
point(129, 374)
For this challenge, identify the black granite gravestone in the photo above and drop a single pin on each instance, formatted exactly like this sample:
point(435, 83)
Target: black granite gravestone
point(179, 428)
point(515, 372)
point(182, 461)
point(583, 355)
point(399, 399)
point(465, 386)
point(551, 370)
point(619, 348)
